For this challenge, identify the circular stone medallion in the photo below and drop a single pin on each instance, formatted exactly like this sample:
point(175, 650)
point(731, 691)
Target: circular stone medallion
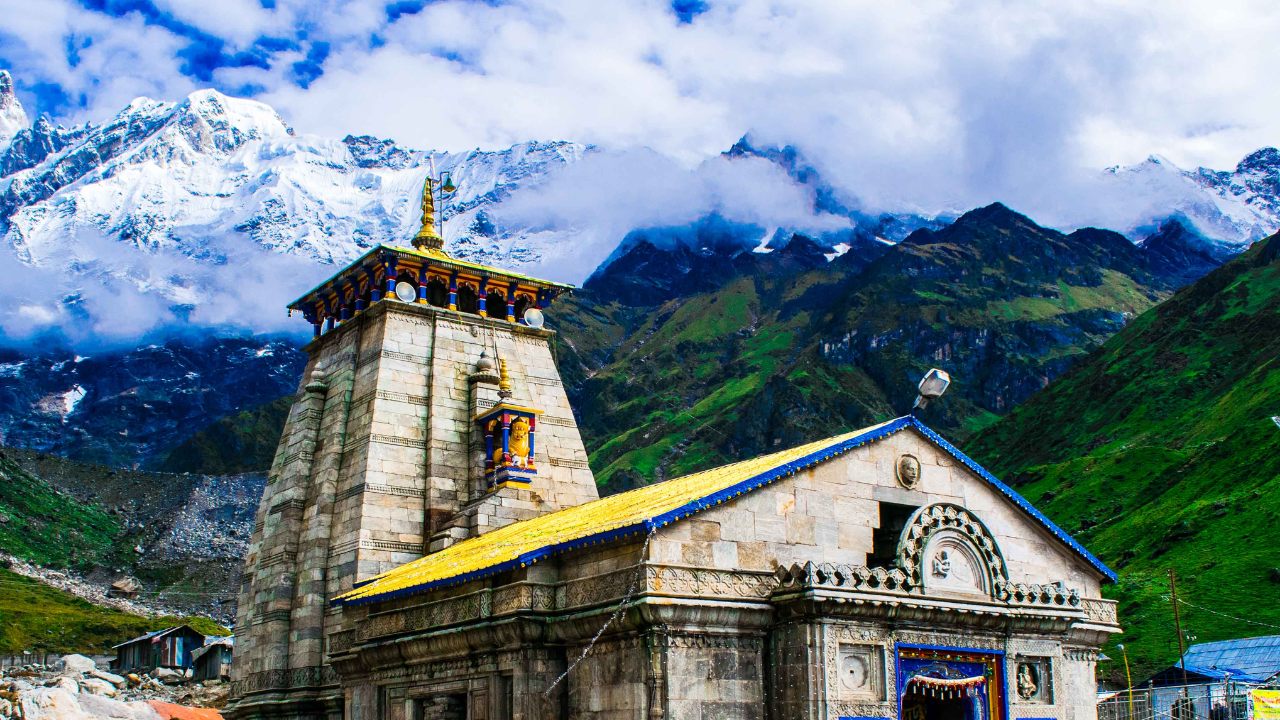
point(908, 470)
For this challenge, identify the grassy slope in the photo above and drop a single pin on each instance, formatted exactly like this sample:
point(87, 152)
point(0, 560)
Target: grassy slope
point(243, 442)
point(32, 512)
point(35, 616)
point(1159, 452)
point(700, 380)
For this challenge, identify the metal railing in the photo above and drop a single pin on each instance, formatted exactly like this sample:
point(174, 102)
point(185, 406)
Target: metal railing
point(1207, 701)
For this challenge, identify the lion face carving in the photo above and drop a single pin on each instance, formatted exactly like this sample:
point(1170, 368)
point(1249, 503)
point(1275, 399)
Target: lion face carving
point(518, 443)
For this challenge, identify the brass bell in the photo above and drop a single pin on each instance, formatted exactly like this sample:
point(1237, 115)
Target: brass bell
point(448, 184)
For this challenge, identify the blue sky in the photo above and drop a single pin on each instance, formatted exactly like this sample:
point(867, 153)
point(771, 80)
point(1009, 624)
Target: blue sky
point(930, 103)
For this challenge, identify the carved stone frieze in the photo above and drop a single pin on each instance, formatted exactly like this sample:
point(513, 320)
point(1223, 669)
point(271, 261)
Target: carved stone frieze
point(285, 679)
point(597, 589)
point(672, 580)
point(429, 615)
point(524, 596)
point(341, 641)
point(1099, 610)
point(976, 642)
point(844, 708)
point(849, 577)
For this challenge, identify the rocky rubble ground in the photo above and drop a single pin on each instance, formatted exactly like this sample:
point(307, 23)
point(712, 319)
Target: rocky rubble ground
point(185, 535)
point(78, 586)
point(73, 688)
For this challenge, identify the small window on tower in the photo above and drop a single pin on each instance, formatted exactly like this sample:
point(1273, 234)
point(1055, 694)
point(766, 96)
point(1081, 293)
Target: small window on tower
point(496, 305)
point(884, 539)
point(437, 292)
point(468, 301)
point(523, 302)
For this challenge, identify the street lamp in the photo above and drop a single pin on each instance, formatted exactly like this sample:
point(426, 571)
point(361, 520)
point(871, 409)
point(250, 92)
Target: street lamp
point(1127, 679)
point(932, 385)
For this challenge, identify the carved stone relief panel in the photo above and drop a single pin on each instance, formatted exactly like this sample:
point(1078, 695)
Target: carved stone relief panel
point(952, 564)
point(1033, 680)
point(861, 672)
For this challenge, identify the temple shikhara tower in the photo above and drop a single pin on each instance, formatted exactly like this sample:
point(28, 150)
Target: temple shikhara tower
point(431, 546)
point(402, 441)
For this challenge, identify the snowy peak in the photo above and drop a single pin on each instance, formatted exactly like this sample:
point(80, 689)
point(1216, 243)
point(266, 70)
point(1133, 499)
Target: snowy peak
point(174, 177)
point(217, 123)
point(1233, 208)
point(1264, 161)
point(12, 117)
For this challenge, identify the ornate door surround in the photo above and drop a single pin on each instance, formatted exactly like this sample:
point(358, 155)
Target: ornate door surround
point(960, 662)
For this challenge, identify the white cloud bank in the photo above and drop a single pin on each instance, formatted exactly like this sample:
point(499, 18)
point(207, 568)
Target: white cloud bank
point(922, 105)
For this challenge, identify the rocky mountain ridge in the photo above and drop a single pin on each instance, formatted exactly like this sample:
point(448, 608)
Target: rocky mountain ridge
point(131, 407)
point(1231, 207)
point(683, 358)
point(12, 117)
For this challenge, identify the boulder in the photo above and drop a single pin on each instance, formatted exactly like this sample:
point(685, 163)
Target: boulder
point(109, 677)
point(134, 679)
point(105, 708)
point(166, 676)
point(97, 686)
point(50, 704)
point(66, 682)
point(6, 708)
point(75, 664)
point(125, 587)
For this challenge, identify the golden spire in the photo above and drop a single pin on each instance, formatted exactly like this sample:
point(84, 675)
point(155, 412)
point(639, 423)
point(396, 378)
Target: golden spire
point(504, 380)
point(427, 237)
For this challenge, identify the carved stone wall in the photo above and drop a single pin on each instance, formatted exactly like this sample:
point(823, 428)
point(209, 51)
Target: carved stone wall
point(373, 459)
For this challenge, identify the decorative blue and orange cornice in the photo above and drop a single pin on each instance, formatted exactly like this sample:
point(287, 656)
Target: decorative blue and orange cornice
point(373, 277)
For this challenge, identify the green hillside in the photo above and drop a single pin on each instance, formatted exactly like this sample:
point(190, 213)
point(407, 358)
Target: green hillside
point(35, 616)
point(32, 511)
point(243, 442)
point(1159, 452)
point(750, 354)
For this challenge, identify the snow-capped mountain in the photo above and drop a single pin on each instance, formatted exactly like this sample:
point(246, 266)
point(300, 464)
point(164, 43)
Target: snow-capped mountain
point(12, 117)
point(181, 177)
point(172, 176)
point(1232, 207)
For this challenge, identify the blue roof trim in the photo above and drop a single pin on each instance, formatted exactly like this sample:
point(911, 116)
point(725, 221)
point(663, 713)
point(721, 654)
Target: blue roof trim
point(733, 491)
point(1015, 497)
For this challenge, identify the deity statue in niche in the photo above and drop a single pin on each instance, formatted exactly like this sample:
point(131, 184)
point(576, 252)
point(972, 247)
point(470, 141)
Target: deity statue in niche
point(520, 442)
point(941, 564)
point(1028, 681)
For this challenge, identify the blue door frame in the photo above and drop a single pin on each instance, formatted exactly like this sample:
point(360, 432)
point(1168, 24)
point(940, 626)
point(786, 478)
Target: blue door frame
point(911, 657)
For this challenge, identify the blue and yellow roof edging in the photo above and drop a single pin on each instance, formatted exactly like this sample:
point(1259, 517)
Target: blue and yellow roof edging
point(394, 585)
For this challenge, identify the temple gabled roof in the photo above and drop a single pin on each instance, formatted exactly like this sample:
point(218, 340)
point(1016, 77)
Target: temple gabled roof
point(640, 511)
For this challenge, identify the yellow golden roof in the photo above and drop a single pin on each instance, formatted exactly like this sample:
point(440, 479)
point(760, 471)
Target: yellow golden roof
point(638, 511)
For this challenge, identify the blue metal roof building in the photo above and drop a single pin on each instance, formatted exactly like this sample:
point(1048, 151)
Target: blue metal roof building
point(1252, 660)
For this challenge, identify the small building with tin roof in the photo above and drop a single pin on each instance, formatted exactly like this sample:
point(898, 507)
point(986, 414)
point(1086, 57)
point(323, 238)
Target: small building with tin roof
point(169, 648)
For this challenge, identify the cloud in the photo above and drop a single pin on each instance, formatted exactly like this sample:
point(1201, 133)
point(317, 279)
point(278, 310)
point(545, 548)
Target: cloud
point(928, 104)
point(112, 293)
point(934, 106)
point(610, 193)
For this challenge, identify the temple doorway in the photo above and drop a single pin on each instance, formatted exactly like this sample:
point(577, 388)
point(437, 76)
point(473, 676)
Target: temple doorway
point(918, 706)
point(937, 683)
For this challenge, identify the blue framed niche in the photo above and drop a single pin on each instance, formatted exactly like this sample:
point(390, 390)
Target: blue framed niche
point(510, 433)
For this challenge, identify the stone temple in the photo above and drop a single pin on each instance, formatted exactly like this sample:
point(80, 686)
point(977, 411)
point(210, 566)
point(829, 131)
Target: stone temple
point(431, 546)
